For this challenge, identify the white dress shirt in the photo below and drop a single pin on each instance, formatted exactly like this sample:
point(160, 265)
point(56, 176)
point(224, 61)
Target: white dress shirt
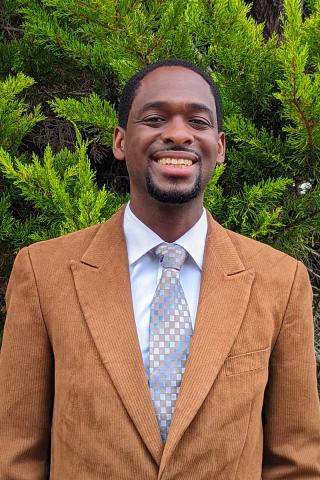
point(145, 270)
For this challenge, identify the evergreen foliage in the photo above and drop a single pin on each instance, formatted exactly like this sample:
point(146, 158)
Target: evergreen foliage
point(61, 188)
point(97, 116)
point(80, 54)
point(15, 122)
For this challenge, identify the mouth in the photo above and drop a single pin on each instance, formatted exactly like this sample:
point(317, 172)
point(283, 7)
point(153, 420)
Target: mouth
point(175, 162)
point(176, 159)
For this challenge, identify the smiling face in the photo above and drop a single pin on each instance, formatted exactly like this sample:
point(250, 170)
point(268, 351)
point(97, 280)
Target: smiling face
point(171, 143)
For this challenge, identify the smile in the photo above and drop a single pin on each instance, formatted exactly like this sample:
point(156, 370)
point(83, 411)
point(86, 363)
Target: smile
point(176, 162)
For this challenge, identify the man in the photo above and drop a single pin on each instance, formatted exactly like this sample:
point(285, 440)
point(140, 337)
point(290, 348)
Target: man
point(122, 361)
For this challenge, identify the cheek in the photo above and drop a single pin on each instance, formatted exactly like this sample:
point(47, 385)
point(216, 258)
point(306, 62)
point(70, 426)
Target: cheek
point(141, 139)
point(209, 153)
point(209, 156)
point(210, 148)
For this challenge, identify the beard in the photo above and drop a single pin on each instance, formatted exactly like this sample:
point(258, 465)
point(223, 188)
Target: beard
point(173, 195)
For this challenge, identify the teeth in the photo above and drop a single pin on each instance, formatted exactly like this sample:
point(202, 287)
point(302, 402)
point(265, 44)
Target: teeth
point(179, 162)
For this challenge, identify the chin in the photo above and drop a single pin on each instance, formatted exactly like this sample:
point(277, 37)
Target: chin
point(173, 195)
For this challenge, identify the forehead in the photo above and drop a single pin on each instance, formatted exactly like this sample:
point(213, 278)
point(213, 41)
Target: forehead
point(174, 85)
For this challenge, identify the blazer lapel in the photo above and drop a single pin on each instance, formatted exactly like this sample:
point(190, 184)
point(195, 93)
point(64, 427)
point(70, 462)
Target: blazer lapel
point(224, 295)
point(103, 285)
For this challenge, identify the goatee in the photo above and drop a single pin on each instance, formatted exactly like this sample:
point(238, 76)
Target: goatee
point(173, 195)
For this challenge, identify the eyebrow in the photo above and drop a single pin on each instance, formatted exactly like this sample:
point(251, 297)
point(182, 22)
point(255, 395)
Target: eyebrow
point(192, 106)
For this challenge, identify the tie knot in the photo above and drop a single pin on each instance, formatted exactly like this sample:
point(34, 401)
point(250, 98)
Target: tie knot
point(171, 255)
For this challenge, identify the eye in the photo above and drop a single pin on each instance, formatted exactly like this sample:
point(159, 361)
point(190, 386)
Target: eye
point(154, 120)
point(200, 123)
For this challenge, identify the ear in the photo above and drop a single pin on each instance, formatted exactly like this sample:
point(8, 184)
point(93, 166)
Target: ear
point(221, 148)
point(118, 143)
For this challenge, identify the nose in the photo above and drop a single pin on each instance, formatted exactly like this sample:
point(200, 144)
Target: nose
point(178, 132)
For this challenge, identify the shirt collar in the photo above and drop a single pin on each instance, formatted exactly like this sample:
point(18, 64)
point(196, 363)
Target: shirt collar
point(141, 239)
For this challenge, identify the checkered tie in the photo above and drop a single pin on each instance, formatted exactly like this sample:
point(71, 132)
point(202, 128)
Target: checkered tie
point(170, 334)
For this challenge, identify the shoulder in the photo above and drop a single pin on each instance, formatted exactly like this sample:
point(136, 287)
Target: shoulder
point(255, 254)
point(268, 263)
point(64, 248)
point(73, 246)
point(278, 277)
point(274, 270)
point(51, 259)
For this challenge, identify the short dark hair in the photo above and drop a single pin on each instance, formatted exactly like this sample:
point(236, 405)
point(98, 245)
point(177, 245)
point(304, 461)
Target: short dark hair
point(130, 89)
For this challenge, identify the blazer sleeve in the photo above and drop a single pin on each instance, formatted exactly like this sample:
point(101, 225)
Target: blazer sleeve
point(26, 380)
point(291, 414)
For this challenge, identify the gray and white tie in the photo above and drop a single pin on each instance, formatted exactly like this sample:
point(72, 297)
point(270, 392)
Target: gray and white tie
point(170, 335)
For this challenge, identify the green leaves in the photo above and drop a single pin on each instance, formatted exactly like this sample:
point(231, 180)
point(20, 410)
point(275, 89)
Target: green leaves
point(6, 219)
point(95, 115)
point(61, 188)
point(299, 90)
point(90, 34)
point(255, 212)
point(16, 119)
point(214, 200)
point(245, 64)
point(258, 153)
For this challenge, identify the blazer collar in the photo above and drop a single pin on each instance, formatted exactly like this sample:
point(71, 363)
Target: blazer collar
point(103, 286)
point(218, 244)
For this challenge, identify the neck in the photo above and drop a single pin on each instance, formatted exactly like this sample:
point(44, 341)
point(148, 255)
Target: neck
point(168, 221)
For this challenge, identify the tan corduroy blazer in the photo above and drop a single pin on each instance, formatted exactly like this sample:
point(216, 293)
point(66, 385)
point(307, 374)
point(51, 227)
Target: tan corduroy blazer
point(74, 398)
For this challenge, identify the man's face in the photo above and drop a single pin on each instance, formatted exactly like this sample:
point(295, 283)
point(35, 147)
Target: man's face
point(171, 144)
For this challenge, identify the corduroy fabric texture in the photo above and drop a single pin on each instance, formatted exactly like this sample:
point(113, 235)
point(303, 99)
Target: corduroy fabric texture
point(74, 398)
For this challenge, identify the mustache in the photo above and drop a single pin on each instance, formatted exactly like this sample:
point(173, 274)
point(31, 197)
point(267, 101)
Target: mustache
point(176, 148)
